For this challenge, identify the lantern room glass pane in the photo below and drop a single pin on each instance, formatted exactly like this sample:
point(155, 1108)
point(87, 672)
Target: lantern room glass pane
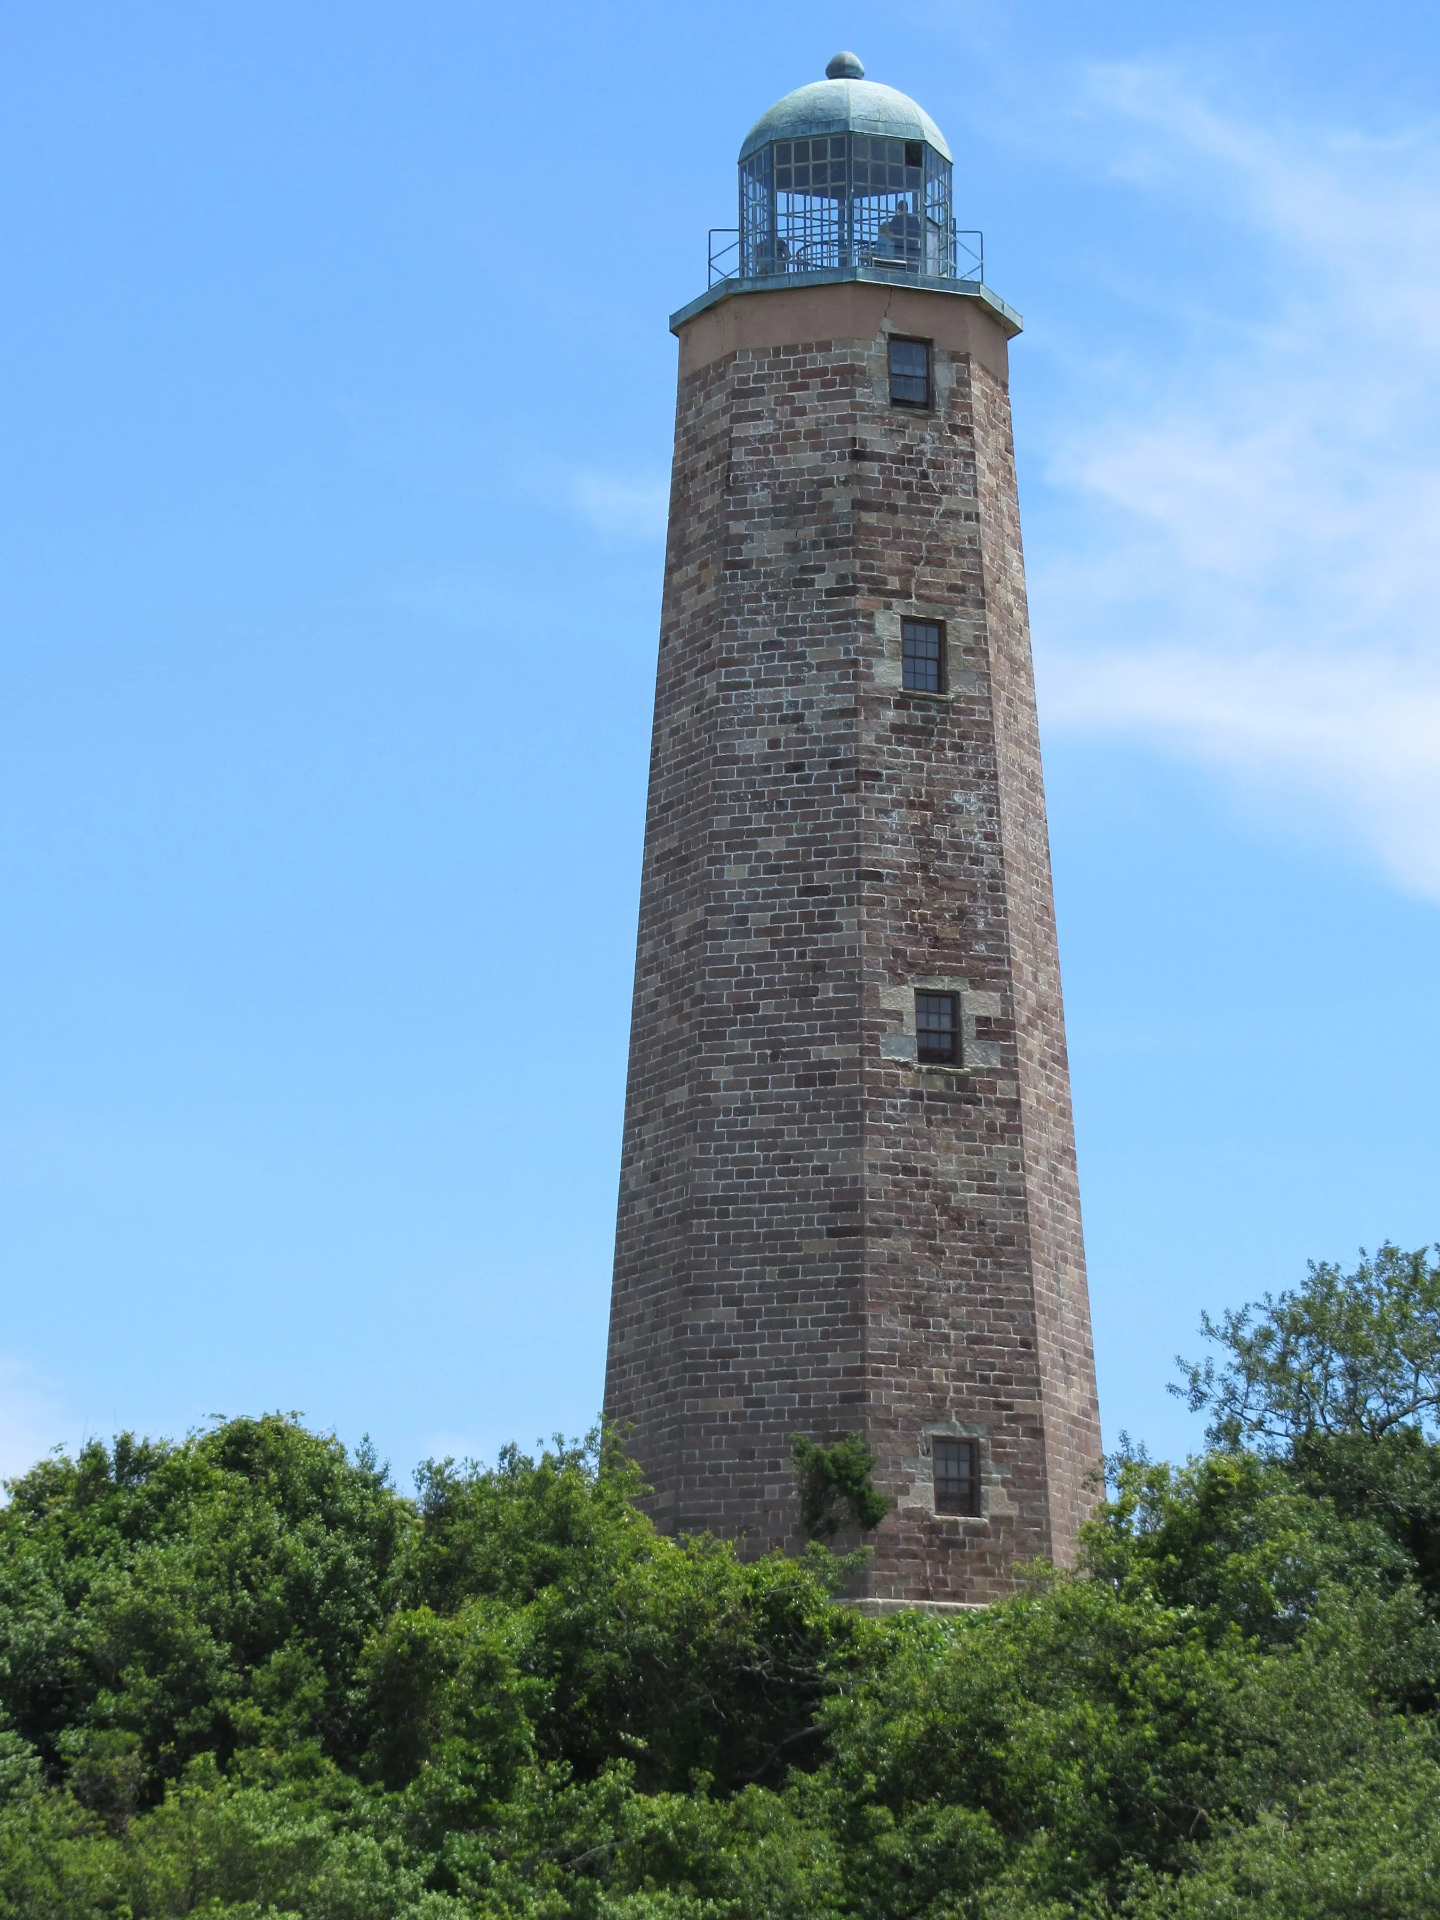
point(846, 200)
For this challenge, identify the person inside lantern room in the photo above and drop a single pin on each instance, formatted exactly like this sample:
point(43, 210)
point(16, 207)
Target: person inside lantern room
point(901, 233)
point(782, 253)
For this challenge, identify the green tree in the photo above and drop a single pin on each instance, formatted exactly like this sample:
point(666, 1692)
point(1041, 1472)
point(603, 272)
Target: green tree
point(1343, 1354)
point(674, 1655)
point(244, 1678)
point(1340, 1380)
point(196, 1598)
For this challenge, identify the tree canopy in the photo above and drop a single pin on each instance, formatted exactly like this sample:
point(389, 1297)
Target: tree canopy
point(243, 1677)
point(1347, 1353)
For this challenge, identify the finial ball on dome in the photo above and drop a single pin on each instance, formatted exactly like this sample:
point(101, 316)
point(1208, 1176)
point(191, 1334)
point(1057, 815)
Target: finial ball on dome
point(846, 66)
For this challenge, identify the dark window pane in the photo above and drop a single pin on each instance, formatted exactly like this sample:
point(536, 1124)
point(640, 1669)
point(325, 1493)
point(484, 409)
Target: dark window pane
point(909, 371)
point(956, 1467)
point(923, 652)
point(914, 153)
point(937, 1029)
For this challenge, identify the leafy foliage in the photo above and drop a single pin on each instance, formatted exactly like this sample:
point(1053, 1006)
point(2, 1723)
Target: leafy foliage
point(242, 1678)
point(1346, 1353)
point(159, 1602)
point(835, 1487)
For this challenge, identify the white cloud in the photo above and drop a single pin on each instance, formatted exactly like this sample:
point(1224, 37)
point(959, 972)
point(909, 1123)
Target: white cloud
point(1342, 745)
point(1256, 581)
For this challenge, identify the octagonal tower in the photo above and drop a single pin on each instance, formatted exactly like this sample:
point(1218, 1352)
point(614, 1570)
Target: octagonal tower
point(848, 1191)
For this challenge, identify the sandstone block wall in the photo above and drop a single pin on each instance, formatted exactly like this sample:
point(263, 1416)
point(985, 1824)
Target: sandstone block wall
point(817, 1234)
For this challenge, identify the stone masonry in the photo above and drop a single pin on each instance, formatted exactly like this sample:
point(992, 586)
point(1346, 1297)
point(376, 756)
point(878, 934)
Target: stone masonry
point(818, 1235)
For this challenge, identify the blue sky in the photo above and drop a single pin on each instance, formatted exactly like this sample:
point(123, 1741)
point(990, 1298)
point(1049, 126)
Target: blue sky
point(334, 435)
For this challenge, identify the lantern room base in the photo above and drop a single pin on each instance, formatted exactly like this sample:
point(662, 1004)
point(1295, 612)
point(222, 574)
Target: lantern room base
point(1005, 316)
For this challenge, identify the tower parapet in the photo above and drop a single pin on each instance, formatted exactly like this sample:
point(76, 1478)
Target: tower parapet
point(848, 1194)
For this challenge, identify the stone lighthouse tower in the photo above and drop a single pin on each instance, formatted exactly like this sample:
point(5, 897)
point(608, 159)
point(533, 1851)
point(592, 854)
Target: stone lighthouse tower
point(848, 1196)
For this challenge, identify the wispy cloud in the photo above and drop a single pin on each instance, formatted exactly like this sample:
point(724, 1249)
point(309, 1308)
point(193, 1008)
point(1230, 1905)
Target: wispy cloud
point(1255, 581)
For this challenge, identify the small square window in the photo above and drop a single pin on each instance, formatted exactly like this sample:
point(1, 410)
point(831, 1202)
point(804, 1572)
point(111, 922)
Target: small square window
point(955, 1465)
point(909, 373)
point(937, 1029)
point(922, 644)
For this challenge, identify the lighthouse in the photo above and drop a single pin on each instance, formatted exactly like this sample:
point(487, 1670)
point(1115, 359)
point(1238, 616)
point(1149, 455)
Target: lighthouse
point(848, 1198)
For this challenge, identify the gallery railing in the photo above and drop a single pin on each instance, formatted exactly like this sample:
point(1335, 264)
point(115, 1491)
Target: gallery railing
point(901, 255)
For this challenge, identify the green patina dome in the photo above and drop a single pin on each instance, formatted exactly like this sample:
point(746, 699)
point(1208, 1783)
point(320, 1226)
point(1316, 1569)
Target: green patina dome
point(845, 103)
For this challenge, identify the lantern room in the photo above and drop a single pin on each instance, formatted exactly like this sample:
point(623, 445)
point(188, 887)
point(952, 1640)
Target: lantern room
point(846, 174)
